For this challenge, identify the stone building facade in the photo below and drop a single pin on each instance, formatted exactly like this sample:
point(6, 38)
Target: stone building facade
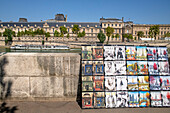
point(91, 28)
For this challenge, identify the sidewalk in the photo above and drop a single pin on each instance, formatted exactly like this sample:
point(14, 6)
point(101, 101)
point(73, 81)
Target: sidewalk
point(70, 107)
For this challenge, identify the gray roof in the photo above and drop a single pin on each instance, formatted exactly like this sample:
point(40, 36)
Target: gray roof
point(51, 24)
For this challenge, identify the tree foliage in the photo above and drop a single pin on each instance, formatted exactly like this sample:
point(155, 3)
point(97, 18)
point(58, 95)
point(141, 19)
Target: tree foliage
point(117, 35)
point(75, 29)
point(81, 34)
point(109, 32)
point(68, 35)
point(154, 31)
point(8, 33)
point(167, 35)
point(101, 37)
point(56, 33)
point(140, 34)
point(63, 30)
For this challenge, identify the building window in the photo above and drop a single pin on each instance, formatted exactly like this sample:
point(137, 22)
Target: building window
point(108, 25)
point(119, 25)
point(91, 30)
point(83, 29)
point(164, 32)
point(116, 25)
point(18, 29)
point(119, 30)
point(112, 24)
point(146, 32)
point(68, 30)
point(104, 24)
point(53, 29)
point(165, 28)
point(161, 32)
point(115, 30)
point(25, 29)
point(127, 31)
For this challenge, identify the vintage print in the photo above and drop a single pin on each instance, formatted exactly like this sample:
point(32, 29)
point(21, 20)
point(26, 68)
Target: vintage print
point(163, 68)
point(87, 100)
point(110, 53)
point(156, 98)
point(121, 82)
point(141, 53)
point(152, 53)
point(144, 98)
point(142, 67)
point(87, 86)
point(133, 99)
point(110, 84)
point(132, 83)
point(99, 99)
point(155, 83)
point(162, 53)
point(87, 78)
point(132, 68)
point(143, 83)
point(98, 83)
point(98, 68)
point(87, 67)
point(153, 67)
point(165, 98)
point(122, 100)
point(165, 82)
point(110, 99)
point(120, 67)
point(109, 67)
point(130, 53)
point(86, 53)
point(120, 50)
point(97, 53)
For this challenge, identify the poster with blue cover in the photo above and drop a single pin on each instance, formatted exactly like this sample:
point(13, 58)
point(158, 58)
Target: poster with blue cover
point(133, 99)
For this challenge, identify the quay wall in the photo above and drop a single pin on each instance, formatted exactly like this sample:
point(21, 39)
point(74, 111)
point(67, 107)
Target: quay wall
point(39, 76)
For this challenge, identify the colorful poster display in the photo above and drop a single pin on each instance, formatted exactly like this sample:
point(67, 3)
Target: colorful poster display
point(124, 76)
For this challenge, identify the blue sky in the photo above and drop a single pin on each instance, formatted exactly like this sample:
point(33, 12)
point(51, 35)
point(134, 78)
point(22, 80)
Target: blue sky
point(139, 11)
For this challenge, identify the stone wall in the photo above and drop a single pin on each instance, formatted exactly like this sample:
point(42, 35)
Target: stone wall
point(39, 76)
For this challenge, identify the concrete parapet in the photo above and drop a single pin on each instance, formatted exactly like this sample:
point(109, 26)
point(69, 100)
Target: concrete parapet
point(41, 76)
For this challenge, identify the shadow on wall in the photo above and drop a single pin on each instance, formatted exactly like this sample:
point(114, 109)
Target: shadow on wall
point(5, 88)
point(79, 89)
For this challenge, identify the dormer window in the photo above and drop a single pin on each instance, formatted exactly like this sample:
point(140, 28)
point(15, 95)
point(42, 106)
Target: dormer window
point(8, 25)
point(14, 25)
point(79, 25)
point(56, 25)
point(95, 25)
point(21, 25)
point(35, 25)
point(87, 25)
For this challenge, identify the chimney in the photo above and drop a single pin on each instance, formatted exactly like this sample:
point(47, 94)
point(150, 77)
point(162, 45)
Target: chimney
point(122, 18)
point(66, 18)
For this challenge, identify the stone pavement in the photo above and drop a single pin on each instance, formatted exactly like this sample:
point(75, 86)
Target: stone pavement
point(67, 107)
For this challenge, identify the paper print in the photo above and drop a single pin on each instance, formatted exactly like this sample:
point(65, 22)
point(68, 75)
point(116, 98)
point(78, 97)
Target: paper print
point(133, 99)
point(110, 99)
point(143, 83)
point(144, 100)
point(109, 67)
point(162, 53)
point(166, 98)
point(155, 83)
point(87, 67)
point(141, 53)
point(130, 53)
point(165, 85)
point(156, 98)
point(99, 99)
point(132, 83)
point(98, 83)
point(153, 67)
point(121, 82)
point(110, 84)
point(132, 68)
point(163, 68)
point(152, 53)
point(110, 53)
point(120, 50)
point(97, 53)
point(86, 53)
point(98, 68)
point(87, 100)
point(142, 67)
point(122, 100)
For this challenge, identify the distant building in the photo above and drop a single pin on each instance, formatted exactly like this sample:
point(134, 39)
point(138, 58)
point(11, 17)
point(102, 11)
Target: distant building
point(91, 28)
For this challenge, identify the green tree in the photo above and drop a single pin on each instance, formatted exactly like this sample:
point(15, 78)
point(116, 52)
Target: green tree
point(63, 30)
point(167, 35)
point(56, 33)
point(0, 34)
point(8, 36)
point(154, 31)
point(117, 36)
point(124, 36)
point(129, 36)
point(101, 37)
point(75, 29)
point(113, 36)
point(109, 32)
point(13, 34)
point(43, 42)
point(83, 33)
point(47, 35)
point(19, 34)
point(140, 34)
point(68, 35)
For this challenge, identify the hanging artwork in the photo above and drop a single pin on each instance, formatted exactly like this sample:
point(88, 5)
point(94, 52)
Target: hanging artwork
point(86, 53)
point(133, 99)
point(156, 99)
point(166, 98)
point(130, 53)
point(122, 100)
point(87, 100)
point(120, 68)
point(98, 68)
point(141, 53)
point(99, 99)
point(97, 53)
point(110, 53)
point(110, 99)
point(132, 68)
point(87, 67)
point(132, 83)
point(143, 83)
point(162, 53)
point(155, 83)
point(144, 100)
point(120, 52)
point(142, 67)
point(163, 68)
point(121, 82)
point(165, 82)
point(153, 67)
point(109, 67)
point(87, 83)
point(152, 53)
point(110, 84)
point(98, 83)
